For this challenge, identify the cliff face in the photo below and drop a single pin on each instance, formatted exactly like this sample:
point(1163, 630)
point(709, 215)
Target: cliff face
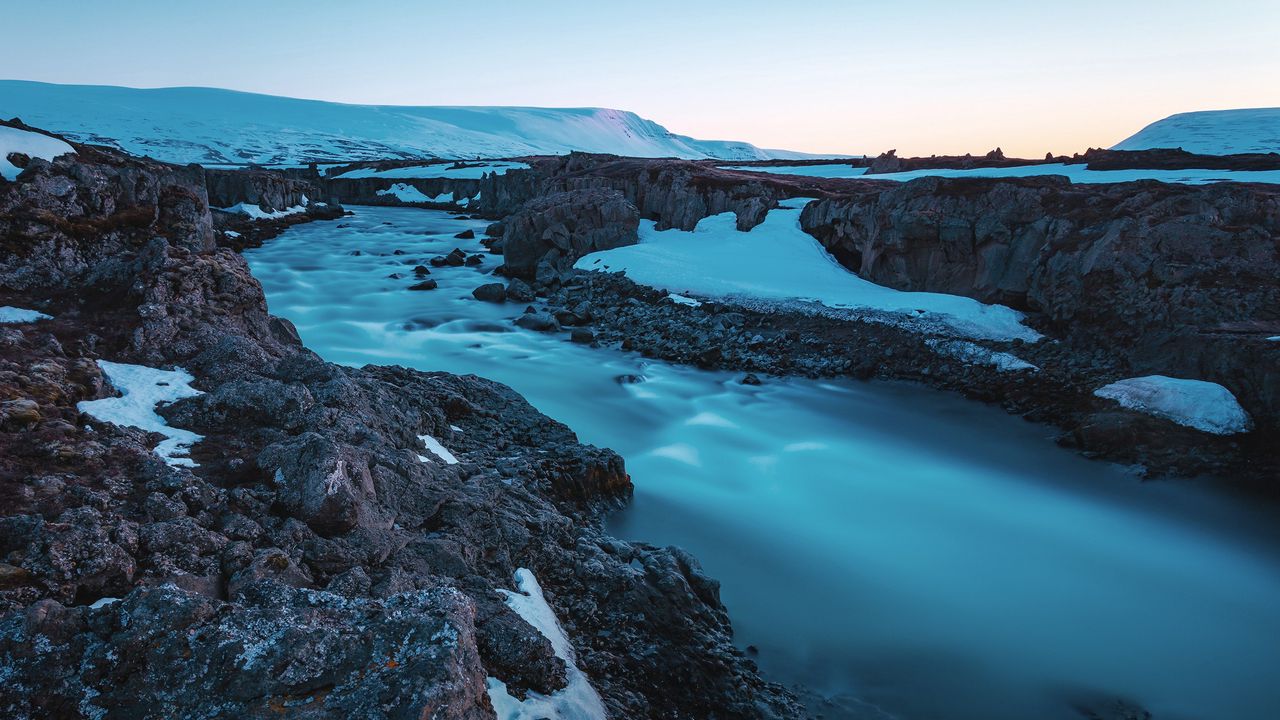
point(312, 562)
point(1175, 278)
point(271, 190)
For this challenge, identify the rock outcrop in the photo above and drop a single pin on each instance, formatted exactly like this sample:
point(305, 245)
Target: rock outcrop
point(1176, 279)
point(546, 236)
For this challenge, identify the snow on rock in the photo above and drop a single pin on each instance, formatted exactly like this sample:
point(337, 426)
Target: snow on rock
point(577, 700)
point(1212, 132)
point(255, 212)
point(777, 261)
point(28, 143)
point(473, 171)
point(405, 193)
point(1076, 173)
point(683, 300)
point(208, 125)
point(142, 389)
point(1199, 404)
point(439, 450)
point(975, 354)
point(10, 315)
point(103, 602)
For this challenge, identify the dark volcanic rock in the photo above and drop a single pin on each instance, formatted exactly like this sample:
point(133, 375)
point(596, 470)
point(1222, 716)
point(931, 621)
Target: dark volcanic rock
point(425, 285)
point(546, 236)
point(490, 292)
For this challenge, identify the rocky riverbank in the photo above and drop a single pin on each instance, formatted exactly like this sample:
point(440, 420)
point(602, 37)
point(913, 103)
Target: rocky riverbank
point(1125, 280)
point(319, 553)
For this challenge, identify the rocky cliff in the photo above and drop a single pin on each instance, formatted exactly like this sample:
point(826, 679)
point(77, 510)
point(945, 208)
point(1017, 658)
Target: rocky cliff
point(1175, 279)
point(312, 562)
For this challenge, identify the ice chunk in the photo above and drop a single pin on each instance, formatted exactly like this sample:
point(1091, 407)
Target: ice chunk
point(1199, 404)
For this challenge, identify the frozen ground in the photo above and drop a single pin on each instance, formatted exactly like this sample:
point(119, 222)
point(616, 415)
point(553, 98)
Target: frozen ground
point(776, 260)
point(934, 556)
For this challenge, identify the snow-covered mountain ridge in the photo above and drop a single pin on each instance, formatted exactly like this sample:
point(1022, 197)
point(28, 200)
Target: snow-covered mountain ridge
point(1212, 132)
point(213, 126)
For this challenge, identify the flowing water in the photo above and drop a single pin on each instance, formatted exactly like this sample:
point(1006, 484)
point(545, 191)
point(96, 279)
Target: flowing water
point(932, 556)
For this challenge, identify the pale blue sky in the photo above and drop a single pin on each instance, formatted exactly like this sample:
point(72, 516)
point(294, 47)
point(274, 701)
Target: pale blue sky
point(923, 76)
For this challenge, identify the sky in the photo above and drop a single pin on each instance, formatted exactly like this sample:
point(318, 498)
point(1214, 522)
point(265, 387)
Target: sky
point(853, 76)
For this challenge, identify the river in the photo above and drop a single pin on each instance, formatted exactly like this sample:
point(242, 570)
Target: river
point(932, 556)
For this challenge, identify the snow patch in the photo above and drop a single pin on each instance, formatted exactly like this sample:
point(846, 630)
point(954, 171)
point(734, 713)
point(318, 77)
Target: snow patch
point(683, 300)
point(10, 315)
point(439, 450)
point(975, 354)
point(231, 233)
point(103, 602)
point(255, 212)
point(578, 700)
point(777, 261)
point(28, 143)
point(142, 389)
point(1202, 405)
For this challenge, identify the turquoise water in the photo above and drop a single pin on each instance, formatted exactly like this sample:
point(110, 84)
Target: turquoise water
point(932, 556)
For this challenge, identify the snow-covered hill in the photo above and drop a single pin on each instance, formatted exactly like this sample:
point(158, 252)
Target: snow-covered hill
point(1212, 132)
point(206, 125)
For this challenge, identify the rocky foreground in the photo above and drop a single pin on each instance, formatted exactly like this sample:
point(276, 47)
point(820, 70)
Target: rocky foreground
point(317, 560)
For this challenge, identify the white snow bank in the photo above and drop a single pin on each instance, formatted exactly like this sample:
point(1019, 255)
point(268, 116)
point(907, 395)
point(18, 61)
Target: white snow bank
point(10, 315)
point(777, 261)
point(578, 700)
point(142, 389)
point(28, 143)
point(231, 233)
point(1076, 173)
point(439, 450)
point(103, 602)
point(974, 354)
point(256, 212)
point(1195, 403)
point(472, 171)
